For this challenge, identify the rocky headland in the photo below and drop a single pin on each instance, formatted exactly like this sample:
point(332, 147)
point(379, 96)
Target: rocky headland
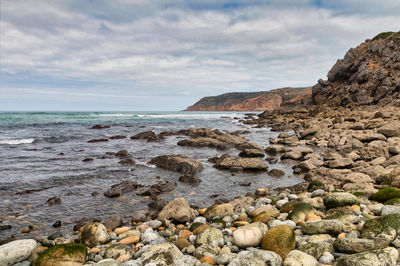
point(346, 145)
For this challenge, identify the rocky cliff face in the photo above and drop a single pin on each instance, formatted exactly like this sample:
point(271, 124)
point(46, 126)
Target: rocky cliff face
point(253, 101)
point(367, 75)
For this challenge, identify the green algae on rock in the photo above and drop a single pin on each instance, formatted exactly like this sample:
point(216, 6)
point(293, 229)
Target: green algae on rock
point(340, 199)
point(63, 255)
point(280, 239)
point(386, 194)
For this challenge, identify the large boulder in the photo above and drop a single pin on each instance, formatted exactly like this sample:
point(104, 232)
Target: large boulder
point(280, 239)
point(177, 163)
point(340, 199)
point(178, 210)
point(221, 210)
point(63, 255)
point(378, 257)
point(16, 251)
point(93, 234)
point(240, 164)
point(162, 254)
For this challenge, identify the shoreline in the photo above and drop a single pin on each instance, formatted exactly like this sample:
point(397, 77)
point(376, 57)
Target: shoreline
point(348, 134)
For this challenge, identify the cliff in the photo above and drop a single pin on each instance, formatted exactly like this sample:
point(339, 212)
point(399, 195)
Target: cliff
point(253, 101)
point(367, 75)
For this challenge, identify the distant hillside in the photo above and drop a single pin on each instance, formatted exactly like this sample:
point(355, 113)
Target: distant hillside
point(367, 75)
point(253, 101)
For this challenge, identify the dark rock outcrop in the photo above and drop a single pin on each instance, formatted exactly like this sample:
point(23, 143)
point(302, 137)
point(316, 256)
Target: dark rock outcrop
point(177, 163)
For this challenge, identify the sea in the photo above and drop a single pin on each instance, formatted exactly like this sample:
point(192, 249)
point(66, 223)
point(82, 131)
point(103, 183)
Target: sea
point(42, 156)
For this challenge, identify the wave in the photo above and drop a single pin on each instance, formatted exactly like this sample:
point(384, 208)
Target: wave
point(17, 141)
point(116, 115)
point(190, 116)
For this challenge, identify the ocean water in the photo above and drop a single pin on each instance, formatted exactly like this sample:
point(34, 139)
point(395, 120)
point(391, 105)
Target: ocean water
point(42, 153)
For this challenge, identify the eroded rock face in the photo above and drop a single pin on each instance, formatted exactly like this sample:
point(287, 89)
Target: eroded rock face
point(177, 163)
point(240, 164)
point(368, 74)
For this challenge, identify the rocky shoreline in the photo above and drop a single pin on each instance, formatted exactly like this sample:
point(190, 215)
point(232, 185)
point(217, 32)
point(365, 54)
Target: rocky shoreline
point(346, 212)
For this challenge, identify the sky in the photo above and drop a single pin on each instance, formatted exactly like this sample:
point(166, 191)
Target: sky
point(131, 55)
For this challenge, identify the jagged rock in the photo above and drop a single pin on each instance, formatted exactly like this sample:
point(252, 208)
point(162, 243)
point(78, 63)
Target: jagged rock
point(247, 164)
point(121, 188)
point(177, 163)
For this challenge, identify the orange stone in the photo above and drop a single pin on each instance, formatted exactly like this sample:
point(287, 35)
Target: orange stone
point(312, 217)
point(180, 226)
point(129, 240)
point(121, 230)
point(341, 235)
point(161, 228)
point(233, 229)
point(184, 234)
point(266, 190)
point(200, 229)
point(123, 258)
point(25, 230)
point(208, 260)
point(202, 211)
point(95, 250)
point(356, 208)
point(300, 222)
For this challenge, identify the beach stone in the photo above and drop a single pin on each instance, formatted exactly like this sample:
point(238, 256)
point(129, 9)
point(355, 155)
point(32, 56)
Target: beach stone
point(317, 249)
point(200, 219)
point(187, 260)
point(149, 236)
point(129, 240)
point(16, 251)
point(249, 237)
point(205, 250)
point(138, 216)
point(63, 255)
point(93, 234)
point(182, 243)
point(251, 153)
point(265, 216)
point(390, 209)
point(162, 254)
point(261, 226)
point(241, 204)
point(379, 257)
point(225, 259)
point(121, 230)
point(118, 250)
point(300, 212)
point(210, 236)
point(280, 239)
point(220, 210)
point(323, 227)
point(256, 258)
point(357, 245)
point(133, 263)
point(238, 164)
point(390, 130)
point(178, 210)
point(154, 224)
point(121, 188)
point(108, 262)
point(113, 221)
point(298, 258)
point(178, 163)
point(384, 226)
point(340, 199)
point(326, 258)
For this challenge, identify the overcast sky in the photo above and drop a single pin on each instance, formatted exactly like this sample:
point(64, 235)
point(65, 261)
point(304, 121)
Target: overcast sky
point(127, 55)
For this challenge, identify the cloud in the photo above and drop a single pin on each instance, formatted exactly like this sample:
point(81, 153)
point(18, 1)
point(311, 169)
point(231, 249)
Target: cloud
point(179, 49)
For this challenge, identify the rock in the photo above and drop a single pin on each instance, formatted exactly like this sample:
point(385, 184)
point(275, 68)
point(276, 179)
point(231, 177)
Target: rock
point(99, 127)
point(205, 142)
point(187, 260)
point(182, 243)
point(54, 200)
point(386, 194)
point(317, 249)
point(276, 172)
point(250, 237)
point(339, 163)
point(333, 227)
point(241, 203)
point(256, 257)
point(315, 184)
point(129, 240)
point(379, 257)
point(280, 239)
point(113, 221)
point(247, 164)
point(149, 236)
point(178, 210)
point(384, 226)
point(108, 262)
point(162, 254)
point(205, 250)
point(121, 188)
point(252, 153)
point(210, 235)
point(188, 179)
point(275, 149)
point(390, 130)
point(357, 245)
point(178, 163)
point(147, 135)
point(16, 251)
point(93, 234)
point(340, 199)
point(97, 140)
point(123, 154)
point(357, 178)
point(117, 251)
point(390, 209)
point(300, 212)
point(221, 210)
point(298, 258)
point(265, 216)
point(63, 255)
point(326, 258)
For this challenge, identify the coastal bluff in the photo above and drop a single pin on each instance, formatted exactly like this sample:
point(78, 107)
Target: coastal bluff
point(253, 101)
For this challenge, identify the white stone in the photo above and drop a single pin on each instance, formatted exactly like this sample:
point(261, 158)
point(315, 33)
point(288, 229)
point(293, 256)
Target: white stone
point(16, 251)
point(326, 258)
point(200, 220)
point(249, 237)
point(298, 258)
point(390, 209)
point(147, 237)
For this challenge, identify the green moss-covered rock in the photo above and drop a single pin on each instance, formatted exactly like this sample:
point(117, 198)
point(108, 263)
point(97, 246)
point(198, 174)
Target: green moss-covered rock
point(265, 216)
point(344, 214)
point(219, 221)
point(395, 201)
point(386, 194)
point(194, 226)
point(315, 184)
point(379, 257)
point(94, 234)
point(300, 212)
point(387, 34)
point(63, 255)
point(340, 199)
point(384, 226)
point(289, 206)
point(332, 227)
point(280, 239)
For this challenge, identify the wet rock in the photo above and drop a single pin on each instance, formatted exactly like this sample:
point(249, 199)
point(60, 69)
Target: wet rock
point(296, 257)
point(177, 163)
point(205, 142)
point(93, 234)
point(54, 200)
point(97, 140)
point(99, 127)
point(163, 254)
point(241, 164)
point(385, 226)
point(87, 160)
point(178, 210)
point(379, 257)
point(63, 255)
point(252, 153)
point(276, 172)
point(205, 250)
point(280, 239)
point(113, 221)
point(221, 210)
point(340, 199)
point(188, 179)
point(117, 137)
point(123, 154)
point(121, 188)
point(16, 251)
point(275, 149)
point(147, 135)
